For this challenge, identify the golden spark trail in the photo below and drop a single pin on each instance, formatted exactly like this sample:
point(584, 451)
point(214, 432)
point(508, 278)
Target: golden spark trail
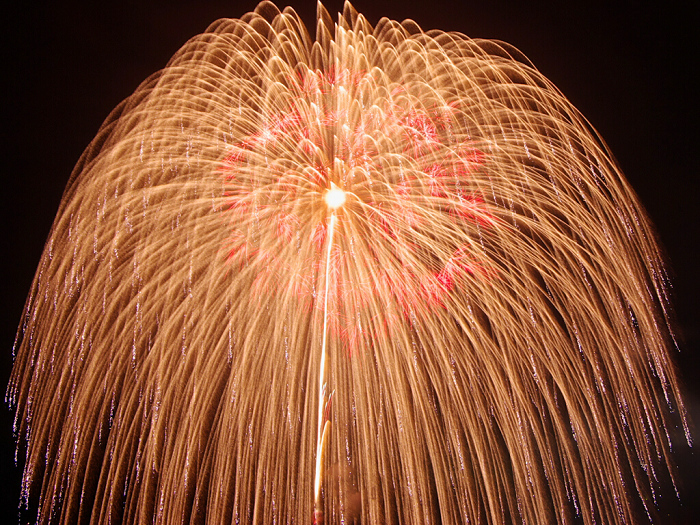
point(334, 198)
point(487, 291)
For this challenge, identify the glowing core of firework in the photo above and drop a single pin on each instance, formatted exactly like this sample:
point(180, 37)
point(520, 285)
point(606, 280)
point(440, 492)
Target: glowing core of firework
point(334, 197)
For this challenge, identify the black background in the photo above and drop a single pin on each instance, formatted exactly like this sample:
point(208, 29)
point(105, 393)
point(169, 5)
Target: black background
point(630, 69)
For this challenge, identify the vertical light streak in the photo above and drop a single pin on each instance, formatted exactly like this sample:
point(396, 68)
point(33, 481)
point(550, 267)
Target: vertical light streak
point(335, 198)
point(322, 385)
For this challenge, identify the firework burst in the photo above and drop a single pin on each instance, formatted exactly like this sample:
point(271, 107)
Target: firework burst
point(382, 276)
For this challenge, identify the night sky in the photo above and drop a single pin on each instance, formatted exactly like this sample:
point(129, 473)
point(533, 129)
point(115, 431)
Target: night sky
point(629, 69)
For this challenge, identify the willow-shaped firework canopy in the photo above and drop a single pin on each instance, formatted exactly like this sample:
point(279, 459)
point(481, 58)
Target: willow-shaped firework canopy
point(482, 287)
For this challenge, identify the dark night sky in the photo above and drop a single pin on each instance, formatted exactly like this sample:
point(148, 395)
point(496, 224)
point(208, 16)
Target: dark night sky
point(629, 69)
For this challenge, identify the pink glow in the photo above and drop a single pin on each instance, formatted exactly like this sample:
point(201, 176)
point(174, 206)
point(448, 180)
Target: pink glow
point(278, 197)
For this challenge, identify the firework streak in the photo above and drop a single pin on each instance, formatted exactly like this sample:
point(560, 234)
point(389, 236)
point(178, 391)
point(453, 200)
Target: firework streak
point(489, 297)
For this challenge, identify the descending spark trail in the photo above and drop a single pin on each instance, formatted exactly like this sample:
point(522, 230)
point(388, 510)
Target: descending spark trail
point(382, 276)
point(335, 198)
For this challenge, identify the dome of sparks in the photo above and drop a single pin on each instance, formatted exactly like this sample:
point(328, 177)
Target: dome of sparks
point(381, 275)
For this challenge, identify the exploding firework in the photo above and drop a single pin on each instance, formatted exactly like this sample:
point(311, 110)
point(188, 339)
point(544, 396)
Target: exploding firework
point(382, 276)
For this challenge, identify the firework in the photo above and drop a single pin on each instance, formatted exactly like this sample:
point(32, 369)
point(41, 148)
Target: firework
point(382, 276)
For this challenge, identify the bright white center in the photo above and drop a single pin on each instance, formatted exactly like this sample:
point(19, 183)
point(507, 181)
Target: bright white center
point(335, 197)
